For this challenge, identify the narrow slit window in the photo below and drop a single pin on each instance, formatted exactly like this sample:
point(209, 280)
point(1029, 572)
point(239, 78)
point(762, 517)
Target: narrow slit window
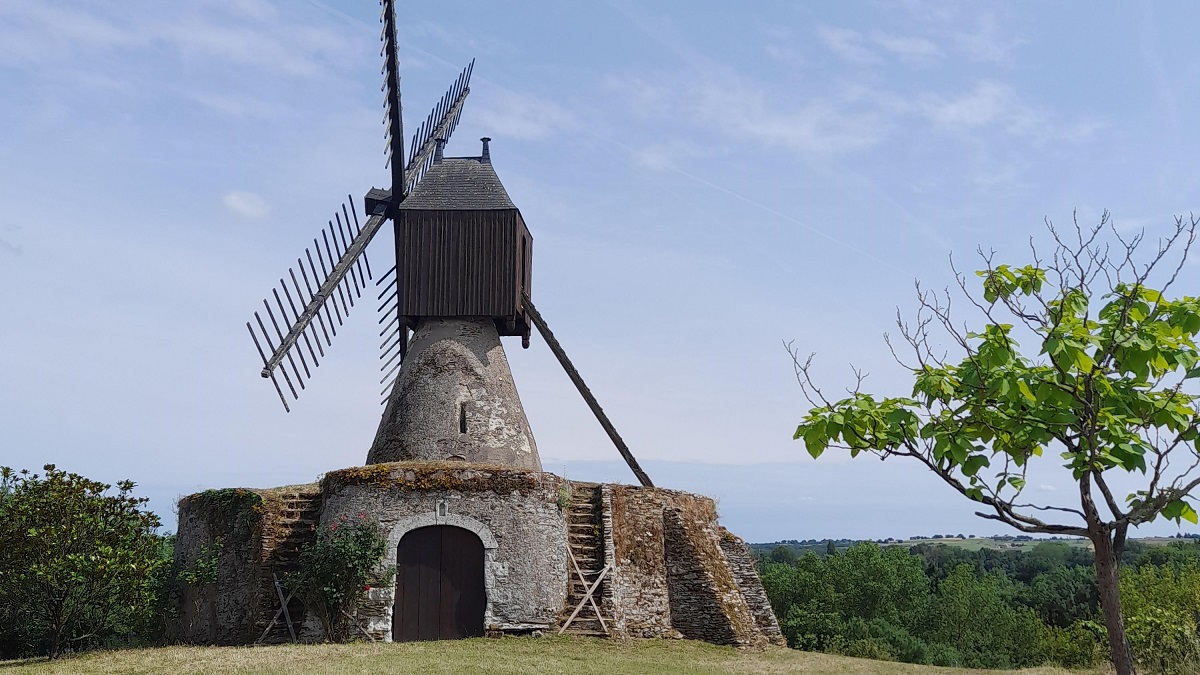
point(462, 417)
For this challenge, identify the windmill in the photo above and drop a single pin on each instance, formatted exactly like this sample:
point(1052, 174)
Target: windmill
point(463, 263)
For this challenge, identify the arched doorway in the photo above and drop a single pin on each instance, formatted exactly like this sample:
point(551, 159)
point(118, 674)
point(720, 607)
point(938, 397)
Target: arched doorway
point(439, 585)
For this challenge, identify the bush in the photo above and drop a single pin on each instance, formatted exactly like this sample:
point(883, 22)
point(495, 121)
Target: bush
point(1160, 605)
point(338, 569)
point(1164, 641)
point(79, 565)
point(891, 639)
point(1076, 646)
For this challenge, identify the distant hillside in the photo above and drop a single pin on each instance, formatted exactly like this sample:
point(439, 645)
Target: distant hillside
point(970, 542)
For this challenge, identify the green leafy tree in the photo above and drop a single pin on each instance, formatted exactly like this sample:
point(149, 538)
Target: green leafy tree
point(78, 564)
point(1063, 595)
point(337, 570)
point(1103, 388)
point(972, 615)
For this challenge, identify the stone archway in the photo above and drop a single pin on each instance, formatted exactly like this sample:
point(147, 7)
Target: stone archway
point(440, 591)
point(492, 570)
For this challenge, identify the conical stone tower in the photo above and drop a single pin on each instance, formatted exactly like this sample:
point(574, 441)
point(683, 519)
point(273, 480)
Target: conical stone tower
point(454, 399)
point(463, 268)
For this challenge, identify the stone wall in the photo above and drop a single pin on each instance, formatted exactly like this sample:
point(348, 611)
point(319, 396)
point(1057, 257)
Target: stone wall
point(741, 563)
point(671, 575)
point(676, 571)
point(640, 603)
point(515, 513)
point(246, 537)
point(219, 531)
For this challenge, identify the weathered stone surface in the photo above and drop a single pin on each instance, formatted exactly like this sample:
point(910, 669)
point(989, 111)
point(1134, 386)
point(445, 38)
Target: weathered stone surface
point(672, 577)
point(741, 562)
point(640, 602)
point(706, 603)
point(515, 513)
point(676, 572)
point(251, 535)
point(455, 399)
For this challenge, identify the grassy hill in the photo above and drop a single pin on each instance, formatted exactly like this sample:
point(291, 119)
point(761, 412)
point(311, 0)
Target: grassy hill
point(518, 656)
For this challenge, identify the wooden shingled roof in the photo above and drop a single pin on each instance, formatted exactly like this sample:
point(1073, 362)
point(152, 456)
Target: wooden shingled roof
point(459, 183)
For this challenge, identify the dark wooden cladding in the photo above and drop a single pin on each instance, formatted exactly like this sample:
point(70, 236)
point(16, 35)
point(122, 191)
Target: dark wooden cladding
point(465, 263)
point(440, 593)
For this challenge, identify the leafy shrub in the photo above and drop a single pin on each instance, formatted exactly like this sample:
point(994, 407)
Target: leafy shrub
point(869, 648)
point(893, 640)
point(810, 628)
point(1076, 646)
point(1160, 605)
point(338, 569)
point(1164, 641)
point(78, 564)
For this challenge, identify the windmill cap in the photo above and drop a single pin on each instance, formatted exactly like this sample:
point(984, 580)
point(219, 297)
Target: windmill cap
point(486, 157)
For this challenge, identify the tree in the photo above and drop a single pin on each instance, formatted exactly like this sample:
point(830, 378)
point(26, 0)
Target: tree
point(1105, 388)
point(77, 562)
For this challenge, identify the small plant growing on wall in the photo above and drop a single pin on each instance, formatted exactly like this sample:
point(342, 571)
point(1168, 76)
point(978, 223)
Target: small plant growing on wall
point(337, 570)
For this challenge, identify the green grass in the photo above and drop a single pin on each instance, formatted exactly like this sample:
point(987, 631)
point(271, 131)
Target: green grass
point(518, 656)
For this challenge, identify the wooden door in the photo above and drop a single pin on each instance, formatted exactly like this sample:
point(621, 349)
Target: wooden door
point(439, 585)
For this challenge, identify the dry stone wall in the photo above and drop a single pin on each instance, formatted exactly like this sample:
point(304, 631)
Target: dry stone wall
point(638, 588)
point(741, 563)
point(672, 578)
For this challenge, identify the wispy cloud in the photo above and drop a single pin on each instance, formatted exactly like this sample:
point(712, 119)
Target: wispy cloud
point(987, 42)
point(510, 114)
point(846, 43)
point(913, 49)
point(249, 33)
point(744, 109)
point(246, 205)
point(995, 104)
point(234, 106)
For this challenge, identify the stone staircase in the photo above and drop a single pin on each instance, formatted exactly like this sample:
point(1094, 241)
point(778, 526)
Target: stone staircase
point(585, 536)
point(299, 516)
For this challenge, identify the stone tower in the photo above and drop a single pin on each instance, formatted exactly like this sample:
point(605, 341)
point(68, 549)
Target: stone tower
point(455, 400)
point(464, 257)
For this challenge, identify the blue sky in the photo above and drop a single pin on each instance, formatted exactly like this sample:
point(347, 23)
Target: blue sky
point(703, 181)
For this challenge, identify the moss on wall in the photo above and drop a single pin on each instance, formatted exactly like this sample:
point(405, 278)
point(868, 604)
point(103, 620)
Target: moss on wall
point(439, 476)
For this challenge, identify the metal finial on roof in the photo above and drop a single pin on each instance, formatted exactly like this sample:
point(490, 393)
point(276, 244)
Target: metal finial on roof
point(437, 153)
point(486, 157)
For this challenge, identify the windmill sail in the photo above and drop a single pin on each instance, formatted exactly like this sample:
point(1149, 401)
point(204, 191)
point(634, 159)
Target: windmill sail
point(335, 277)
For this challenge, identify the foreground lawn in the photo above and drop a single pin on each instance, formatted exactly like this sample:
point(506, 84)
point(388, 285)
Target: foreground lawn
point(518, 656)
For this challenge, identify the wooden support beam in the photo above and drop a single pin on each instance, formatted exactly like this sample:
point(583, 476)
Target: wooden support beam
point(585, 392)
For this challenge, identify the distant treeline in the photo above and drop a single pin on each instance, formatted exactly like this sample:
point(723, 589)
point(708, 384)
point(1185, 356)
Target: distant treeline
point(800, 546)
point(946, 605)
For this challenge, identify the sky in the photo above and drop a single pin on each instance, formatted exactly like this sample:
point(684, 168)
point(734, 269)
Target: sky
point(703, 181)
